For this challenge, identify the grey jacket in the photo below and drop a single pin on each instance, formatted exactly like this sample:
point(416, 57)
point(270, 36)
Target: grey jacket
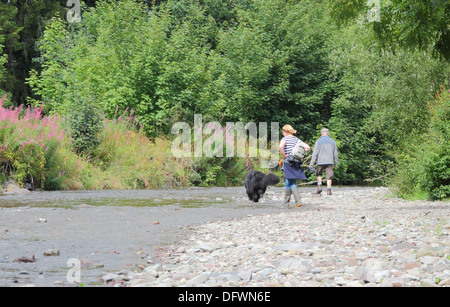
point(325, 152)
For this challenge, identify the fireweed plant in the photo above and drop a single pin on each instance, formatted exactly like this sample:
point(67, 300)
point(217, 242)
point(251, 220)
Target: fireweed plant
point(26, 138)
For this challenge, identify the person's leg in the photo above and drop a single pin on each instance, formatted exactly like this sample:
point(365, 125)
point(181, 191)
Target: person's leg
point(298, 199)
point(294, 191)
point(287, 194)
point(329, 174)
point(291, 184)
point(319, 173)
point(328, 186)
point(287, 197)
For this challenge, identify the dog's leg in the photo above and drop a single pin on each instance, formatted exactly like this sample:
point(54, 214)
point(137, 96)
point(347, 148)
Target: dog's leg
point(261, 193)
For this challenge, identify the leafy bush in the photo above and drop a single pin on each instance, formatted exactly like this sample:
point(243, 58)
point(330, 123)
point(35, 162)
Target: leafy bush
point(437, 162)
point(218, 171)
point(424, 164)
point(85, 126)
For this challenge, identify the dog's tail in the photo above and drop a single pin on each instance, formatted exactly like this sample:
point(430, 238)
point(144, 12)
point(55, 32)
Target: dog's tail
point(271, 179)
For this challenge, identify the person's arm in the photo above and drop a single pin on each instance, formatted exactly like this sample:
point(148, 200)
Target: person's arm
point(306, 146)
point(335, 156)
point(282, 144)
point(314, 155)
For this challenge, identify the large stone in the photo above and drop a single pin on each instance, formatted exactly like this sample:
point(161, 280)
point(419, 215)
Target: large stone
point(14, 189)
point(293, 265)
point(184, 269)
point(199, 279)
point(110, 277)
point(296, 246)
point(404, 247)
point(245, 275)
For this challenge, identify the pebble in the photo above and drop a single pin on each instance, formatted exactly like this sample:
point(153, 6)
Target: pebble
point(51, 252)
point(26, 258)
point(353, 238)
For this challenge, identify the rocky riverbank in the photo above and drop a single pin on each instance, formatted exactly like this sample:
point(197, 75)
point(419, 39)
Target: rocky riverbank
point(355, 237)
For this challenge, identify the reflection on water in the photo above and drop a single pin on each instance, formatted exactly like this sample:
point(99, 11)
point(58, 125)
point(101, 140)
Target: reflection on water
point(192, 198)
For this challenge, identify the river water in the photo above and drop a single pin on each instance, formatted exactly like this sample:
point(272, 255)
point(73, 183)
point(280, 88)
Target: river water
point(105, 231)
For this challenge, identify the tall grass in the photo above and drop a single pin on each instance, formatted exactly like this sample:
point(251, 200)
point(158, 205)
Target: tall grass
point(130, 160)
point(124, 159)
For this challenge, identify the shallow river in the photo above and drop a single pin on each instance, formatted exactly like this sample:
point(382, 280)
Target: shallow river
point(105, 231)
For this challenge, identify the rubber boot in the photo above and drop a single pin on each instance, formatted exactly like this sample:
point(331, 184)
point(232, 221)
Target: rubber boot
point(298, 200)
point(287, 197)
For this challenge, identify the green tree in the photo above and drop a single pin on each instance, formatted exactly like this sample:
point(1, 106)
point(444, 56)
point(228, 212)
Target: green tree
point(381, 101)
point(262, 61)
point(416, 24)
point(265, 61)
point(22, 23)
point(3, 60)
point(10, 33)
point(274, 64)
point(51, 84)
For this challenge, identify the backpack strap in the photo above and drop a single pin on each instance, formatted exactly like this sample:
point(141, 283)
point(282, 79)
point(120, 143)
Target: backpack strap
point(294, 150)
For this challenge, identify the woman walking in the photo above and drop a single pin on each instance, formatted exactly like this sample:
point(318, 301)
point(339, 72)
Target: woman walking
point(292, 170)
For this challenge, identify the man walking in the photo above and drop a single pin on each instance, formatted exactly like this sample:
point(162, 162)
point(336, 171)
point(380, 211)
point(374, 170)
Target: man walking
point(326, 155)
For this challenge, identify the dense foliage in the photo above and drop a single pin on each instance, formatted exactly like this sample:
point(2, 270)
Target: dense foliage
point(379, 83)
point(407, 24)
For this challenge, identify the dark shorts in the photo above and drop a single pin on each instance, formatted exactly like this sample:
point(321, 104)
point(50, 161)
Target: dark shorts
point(328, 171)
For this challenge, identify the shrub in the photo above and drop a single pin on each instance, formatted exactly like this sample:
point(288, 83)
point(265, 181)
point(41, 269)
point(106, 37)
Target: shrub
point(85, 125)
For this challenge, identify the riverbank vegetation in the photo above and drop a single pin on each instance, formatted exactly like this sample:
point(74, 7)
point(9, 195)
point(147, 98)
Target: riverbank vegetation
point(90, 104)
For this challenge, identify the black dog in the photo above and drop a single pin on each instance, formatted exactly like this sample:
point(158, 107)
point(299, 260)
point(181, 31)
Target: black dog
point(257, 182)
